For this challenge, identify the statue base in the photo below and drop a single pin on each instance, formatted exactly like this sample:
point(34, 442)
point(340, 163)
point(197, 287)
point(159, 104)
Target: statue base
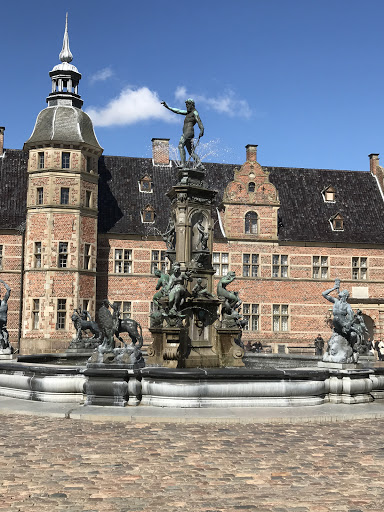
point(128, 357)
point(6, 357)
point(339, 366)
point(191, 176)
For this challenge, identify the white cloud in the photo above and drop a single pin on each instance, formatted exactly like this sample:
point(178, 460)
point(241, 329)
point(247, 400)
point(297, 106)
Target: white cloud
point(131, 106)
point(226, 103)
point(101, 75)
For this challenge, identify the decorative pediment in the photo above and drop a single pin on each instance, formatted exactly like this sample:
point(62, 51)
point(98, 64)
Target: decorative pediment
point(251, 185)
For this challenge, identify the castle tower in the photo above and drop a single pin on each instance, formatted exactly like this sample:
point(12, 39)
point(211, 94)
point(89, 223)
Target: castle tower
point(61, 227)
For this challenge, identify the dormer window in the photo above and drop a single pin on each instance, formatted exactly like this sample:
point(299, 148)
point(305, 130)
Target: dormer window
point(145, 184)
point(329, 194)
point(337, 222)
point(148, 214)
point(251, 186)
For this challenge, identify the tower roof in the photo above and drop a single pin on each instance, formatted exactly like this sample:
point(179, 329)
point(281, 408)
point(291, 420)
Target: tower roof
point(63, 121)
point(63, 124)
point(65, 78)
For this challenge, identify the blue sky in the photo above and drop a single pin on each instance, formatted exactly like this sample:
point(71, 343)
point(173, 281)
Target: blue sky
point(302, 79)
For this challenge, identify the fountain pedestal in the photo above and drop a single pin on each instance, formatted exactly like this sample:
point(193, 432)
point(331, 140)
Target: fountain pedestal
point(188, 333)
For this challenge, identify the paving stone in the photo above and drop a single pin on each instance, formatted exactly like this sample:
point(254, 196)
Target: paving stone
point(70, 465)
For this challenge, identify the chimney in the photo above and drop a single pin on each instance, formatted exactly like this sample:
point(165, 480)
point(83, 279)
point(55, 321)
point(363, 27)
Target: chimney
point(160, 151)
point(2, 128)
point(251, 150)
point(377, 170)
point(373, 162)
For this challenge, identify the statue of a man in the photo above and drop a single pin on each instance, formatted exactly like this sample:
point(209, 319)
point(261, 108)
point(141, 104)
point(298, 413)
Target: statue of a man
point(176, 287)
point(203, 236)
point(161, 286)
point(199, 290)
point(169, 236)
point(4, 338)
point(191, 118)
point(343, 315)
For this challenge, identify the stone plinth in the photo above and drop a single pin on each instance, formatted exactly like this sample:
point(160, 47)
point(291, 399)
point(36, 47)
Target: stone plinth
point(350, 386)
point(231, 353)
point(112, 386)
point(169, 347)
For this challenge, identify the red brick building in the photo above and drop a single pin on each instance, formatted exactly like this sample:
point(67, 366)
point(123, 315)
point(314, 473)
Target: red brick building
point(77, 227)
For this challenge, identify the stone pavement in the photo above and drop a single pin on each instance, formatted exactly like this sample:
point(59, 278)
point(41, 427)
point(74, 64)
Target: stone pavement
point(62, 464)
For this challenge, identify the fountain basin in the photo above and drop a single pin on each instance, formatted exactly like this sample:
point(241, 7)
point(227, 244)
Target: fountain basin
point(233, 387)
point(42, 382)
point(191, 387)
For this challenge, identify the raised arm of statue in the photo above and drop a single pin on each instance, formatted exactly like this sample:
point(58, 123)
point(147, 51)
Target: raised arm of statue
point(176, 110)
point(327, 295)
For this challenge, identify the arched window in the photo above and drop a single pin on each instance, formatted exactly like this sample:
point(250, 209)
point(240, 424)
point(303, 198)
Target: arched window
point(251, 223)
point(251, 187)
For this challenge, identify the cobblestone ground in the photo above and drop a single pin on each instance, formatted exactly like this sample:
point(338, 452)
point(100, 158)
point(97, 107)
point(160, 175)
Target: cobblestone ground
point(69, 465)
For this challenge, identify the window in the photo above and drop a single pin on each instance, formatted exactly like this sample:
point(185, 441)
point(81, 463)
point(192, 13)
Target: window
point(64, 195)
point(158, 261)
point(41, 160)
point(1, 256)
point(250, 265)
point(63, 254)
point(220, 263)
point(148, 214)
point(280, 317)
point(251, 314)
point(329, 195)
point(337, 222)
point(360, 268)
point(86, 304)
point(65, 160)
point(125, 309)
point(251, 223)
point(35, 313)
point(123, 261)
point(320, 267)
point(61, 313)
point(251, 187)
point(279, 265)
point(39, 195)
point(89, 164)
point(87, 256)
point(88, 198)
point(145, 184)
point(37, 255)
